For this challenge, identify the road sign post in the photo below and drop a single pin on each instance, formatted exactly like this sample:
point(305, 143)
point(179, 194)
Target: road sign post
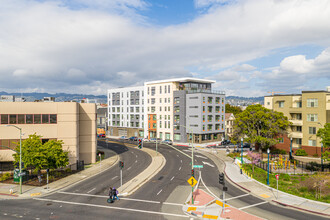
point(192, 181)
point(121, 166)
point(277, 176)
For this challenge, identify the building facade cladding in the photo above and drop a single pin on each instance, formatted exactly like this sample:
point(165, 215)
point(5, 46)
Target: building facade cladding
point(205, 115)
point(159, 102)
point(307, 112)
point(75, 125)
point(179, 118)
point(126, 111)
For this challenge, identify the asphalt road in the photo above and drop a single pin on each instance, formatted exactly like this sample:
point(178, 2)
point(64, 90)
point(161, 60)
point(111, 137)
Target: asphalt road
point(160, 198)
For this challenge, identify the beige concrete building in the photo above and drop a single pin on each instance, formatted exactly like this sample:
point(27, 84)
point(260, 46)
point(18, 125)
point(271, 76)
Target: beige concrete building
point(229, 118)
point(74, 123)
point(307, 112)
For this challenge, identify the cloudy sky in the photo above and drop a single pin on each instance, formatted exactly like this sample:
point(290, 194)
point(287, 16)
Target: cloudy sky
point(250, 47)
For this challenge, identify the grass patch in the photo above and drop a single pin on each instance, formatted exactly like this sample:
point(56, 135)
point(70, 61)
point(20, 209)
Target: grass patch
point(306, 186)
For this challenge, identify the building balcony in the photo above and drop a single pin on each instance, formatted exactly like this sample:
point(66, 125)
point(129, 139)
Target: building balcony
point(296, 122)
point(296, 134)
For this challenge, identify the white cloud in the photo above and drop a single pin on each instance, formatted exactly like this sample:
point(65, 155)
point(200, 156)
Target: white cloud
point(49, 44)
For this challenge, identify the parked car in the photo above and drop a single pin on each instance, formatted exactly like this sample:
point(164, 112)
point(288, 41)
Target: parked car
point(225, 142)
point(133, 138)
point(123, 137)
point(167, 141)
point(145, 140)
point(246, 145)
point(101, 135)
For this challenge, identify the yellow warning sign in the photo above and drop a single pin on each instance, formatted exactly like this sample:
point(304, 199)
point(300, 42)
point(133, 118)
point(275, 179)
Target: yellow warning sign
point(192, 181)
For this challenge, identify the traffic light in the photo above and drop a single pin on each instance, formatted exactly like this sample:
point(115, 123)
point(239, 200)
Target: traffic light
point(221, 179)
point(140, 144)
point(121, 164)
point(193, 173)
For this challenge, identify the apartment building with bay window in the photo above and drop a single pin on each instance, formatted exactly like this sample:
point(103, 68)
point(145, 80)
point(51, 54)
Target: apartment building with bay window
point(126, 111)
point(184, 109)
point(307, 112)
point(73, 123)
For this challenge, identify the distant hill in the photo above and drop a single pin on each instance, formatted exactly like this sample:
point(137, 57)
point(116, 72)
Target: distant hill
point(59, 97)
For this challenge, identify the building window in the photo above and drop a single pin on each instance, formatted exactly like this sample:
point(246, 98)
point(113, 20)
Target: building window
point(153, 101)
point(312, 130)
point(311, 142)
point(160, 100)
point(12, 119)
point(168, 108)
point(281, 104)
point(168, 89)
point(137, 109)
point(312, 103)
point(45, 119)
point(195, 97)
point(160, 89)
point(193, 106)
point(176, 100)
point(153, 90)
point(37, 119)
point(299, 128)
point(160, 108)
point(29, 119)
point(169, 125)
point(298, 104)
point(281, 140)
point(160, 124)
point(132, 109)
point(177, 137)
point(298, 141)
point(21, 119)
point(311, 117)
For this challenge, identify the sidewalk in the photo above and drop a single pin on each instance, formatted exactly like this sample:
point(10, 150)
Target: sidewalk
point(232, 171)
point(158, 161)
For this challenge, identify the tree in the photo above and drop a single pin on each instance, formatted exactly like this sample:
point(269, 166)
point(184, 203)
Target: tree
point(324, 134)
point(255, 158)
point(49, 155)
point(260, 126)
point(233, 109)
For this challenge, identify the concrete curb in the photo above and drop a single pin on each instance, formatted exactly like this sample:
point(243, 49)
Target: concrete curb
point(143, 180)
point(231, 179)
point(281, 203)
point(307, 210)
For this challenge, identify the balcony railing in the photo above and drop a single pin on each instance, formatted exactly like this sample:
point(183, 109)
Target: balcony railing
point(296, 122)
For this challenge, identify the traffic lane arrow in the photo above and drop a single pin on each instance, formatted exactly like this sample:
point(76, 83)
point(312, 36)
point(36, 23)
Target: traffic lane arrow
point(201, 157)
point(207, 163)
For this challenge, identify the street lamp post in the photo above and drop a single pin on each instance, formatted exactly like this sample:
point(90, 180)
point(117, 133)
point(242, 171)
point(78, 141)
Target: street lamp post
point(268, 151)
point(20, 156)
point(241, 155)
point(291, 148)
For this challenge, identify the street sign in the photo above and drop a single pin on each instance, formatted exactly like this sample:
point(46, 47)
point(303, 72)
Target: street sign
point(198, 166)
point(20, 174)
point(277, 175)
point(192, 181)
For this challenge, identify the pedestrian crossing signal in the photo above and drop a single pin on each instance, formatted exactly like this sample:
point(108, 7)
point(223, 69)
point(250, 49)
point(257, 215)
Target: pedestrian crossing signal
point(140, 144)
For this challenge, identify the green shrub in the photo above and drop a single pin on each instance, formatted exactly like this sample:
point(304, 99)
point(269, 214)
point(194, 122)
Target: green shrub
point(301, 152)
point(278, 151)
point(67, 170)
point(315, 155)
point(5, 176)
point(233, 155)
point(326, 155)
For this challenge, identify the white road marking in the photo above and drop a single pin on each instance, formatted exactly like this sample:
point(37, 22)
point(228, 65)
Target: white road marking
point(113, 207)
point(159, 192)
point(114, 177)
point(172, 178)
point(170, 203)
point(236, 197)
point(249, 206)
point(136, 161)
point(129, 168)
point(177, 155)
point(180, 168)
point(135, 155)
point(201, 156)
point(91, 190)
point(181, 161)
point(207, 164)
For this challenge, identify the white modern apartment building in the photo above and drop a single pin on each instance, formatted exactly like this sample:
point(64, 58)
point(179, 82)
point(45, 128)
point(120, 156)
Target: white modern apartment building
point(126, 111)
point(181, 109)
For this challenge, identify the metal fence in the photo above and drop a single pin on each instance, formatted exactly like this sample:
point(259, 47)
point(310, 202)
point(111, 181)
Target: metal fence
point(296, 167)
